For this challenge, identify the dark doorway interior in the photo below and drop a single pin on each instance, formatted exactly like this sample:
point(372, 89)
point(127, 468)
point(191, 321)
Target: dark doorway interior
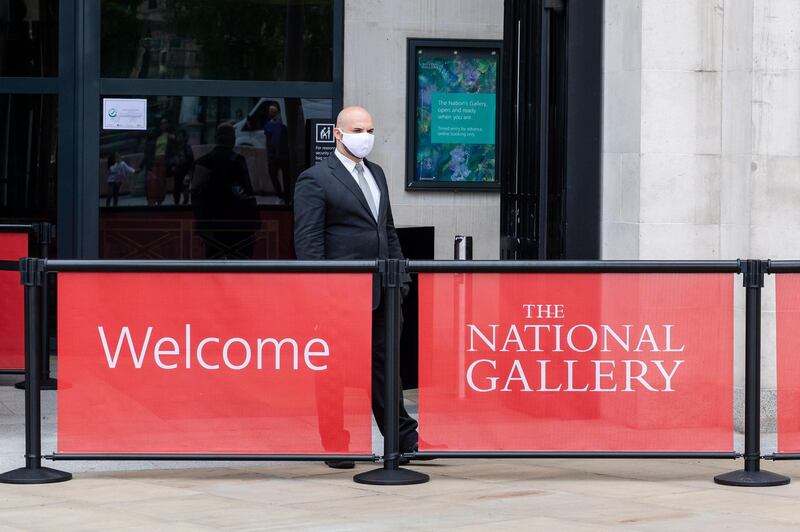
point(552, 72)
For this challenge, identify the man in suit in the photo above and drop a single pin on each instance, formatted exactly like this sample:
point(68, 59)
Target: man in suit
point(342, 211)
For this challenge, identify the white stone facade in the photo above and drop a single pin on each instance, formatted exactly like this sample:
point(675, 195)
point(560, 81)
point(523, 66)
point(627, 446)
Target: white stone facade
point(701, 129)
point(375, 36)
point(702, 138)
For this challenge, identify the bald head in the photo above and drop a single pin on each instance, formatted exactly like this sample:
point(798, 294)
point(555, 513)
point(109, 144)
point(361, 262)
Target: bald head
point(353, 115)
point(353, 119)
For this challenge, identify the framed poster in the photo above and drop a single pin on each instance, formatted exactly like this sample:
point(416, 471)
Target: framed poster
point(452, 114)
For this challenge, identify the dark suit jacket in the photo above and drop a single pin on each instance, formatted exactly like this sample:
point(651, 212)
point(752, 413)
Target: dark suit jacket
point(332, 220)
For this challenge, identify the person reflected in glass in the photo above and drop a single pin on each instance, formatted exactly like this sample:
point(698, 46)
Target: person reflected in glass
point(225, 209)
point(118, 173)
point(158, 154)
point(277, 138)
point(181, 168)
point(250, 130)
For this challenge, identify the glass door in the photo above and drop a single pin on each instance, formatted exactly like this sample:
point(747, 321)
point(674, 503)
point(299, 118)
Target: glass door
point(199, 123)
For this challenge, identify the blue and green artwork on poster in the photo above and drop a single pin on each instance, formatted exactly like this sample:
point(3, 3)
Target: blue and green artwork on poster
point(456, 117)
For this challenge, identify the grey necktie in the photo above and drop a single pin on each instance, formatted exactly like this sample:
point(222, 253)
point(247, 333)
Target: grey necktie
point(362, 182)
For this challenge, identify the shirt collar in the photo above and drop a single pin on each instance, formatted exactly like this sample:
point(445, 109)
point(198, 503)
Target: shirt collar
point(348, 163)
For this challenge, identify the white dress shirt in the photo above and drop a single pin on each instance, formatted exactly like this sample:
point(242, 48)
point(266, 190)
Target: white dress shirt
point(350, 165)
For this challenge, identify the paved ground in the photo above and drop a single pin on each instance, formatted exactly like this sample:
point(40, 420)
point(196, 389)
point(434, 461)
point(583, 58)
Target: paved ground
point(462, 495)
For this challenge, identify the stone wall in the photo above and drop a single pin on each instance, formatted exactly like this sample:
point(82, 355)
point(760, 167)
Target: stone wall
point(702, 138)
point(375, 34)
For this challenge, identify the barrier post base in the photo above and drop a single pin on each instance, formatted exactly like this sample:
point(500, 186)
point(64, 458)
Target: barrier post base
point(46, 384)
point(391, 477)
point(38, 475)
point(751, 478)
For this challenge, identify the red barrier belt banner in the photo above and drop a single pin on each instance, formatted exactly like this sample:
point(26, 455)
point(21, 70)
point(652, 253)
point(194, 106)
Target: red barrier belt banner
point(204, 363)
point(576, 362)
point(13, 246)
point(787, 301)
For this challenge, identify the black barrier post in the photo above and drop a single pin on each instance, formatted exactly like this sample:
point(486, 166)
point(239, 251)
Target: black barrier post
point(392, 474)
point(752, 475)
point(44, 234)
point(33, 275)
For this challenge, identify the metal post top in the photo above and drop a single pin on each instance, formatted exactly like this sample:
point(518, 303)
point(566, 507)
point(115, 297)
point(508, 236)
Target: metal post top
point(44, 232)
point(32, 271)
point(754, 271)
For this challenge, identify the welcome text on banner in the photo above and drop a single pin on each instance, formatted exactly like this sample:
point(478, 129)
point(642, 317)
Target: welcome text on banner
point(203, 363)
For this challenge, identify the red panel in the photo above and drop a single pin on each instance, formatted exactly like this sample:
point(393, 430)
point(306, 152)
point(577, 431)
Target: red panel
point(787, 299)
point(13, 246)
point(210, 403)
point(664, 383)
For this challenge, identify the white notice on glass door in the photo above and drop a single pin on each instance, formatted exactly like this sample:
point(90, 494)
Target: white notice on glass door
point(124, 113)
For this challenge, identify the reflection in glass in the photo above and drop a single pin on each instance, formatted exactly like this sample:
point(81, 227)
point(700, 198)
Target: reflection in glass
point(266, 40)
point(210, 178)
point(28, 142)
point(28, 38)
point(225, 209)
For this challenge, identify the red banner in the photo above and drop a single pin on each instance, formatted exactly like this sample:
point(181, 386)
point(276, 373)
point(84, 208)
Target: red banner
point(787, 301)
point(13, 246)
point(195, 363)
point(576, 362)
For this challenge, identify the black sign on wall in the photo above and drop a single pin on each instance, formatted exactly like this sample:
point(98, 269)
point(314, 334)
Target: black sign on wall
point(320, 140)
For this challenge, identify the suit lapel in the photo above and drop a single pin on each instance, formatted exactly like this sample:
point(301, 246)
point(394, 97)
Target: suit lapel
point(344, 177)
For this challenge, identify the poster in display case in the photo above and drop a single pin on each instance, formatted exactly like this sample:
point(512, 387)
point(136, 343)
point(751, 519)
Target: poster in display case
point(453, 115)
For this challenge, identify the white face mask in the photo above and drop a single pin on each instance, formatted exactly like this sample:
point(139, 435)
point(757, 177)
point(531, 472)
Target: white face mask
point(359, 144)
